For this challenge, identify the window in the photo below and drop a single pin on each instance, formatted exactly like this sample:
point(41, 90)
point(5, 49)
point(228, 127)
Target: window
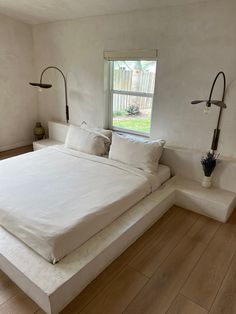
point(132, 84)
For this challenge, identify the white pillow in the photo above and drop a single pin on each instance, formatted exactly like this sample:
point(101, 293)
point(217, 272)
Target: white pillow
point(86, 140)
point(144, 155)
point(107, 133)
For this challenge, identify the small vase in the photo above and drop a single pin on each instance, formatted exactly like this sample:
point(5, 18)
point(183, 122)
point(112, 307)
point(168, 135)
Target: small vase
point(206, 182)
point(39, 131)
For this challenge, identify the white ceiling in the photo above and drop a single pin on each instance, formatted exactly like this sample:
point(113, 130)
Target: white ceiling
point(43, 11)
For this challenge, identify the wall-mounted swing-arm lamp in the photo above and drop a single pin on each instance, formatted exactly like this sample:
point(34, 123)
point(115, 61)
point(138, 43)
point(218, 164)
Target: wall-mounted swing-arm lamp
point(45, 86)
point(219, 103)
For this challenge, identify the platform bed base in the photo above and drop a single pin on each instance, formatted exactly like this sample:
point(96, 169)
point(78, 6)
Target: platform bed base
point(52, 287)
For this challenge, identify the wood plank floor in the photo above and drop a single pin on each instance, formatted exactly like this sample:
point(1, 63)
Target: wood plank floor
point(184, 264)
point(16, 151)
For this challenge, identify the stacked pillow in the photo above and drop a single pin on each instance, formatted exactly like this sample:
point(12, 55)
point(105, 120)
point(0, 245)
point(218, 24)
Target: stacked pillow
point(107, 133)
point(90, 141)
point(144, 155)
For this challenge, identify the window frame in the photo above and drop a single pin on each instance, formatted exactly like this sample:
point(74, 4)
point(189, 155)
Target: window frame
point(113, 91)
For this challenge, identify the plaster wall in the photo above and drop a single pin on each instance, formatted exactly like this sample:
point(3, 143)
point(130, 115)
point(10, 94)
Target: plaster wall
point(18, 102)
point(194, 42)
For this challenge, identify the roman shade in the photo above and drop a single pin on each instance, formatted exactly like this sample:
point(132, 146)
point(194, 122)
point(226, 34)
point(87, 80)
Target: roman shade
point(131, 55)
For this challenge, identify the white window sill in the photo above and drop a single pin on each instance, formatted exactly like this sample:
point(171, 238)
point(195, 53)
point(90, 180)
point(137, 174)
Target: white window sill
point(131, 133)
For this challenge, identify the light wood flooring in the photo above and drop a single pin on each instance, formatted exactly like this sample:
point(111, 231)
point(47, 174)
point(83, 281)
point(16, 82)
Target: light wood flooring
point(185, 263)
point(16, 151)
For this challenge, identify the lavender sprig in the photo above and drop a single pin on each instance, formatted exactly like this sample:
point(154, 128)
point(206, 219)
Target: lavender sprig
point(209, 162)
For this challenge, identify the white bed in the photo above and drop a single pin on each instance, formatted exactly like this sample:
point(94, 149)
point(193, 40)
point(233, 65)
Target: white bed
point(52, 287)
point(55, 199)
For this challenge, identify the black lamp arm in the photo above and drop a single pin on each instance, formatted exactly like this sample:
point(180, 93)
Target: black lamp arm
point(65, 84)
point(216, 134)
point(213, 85)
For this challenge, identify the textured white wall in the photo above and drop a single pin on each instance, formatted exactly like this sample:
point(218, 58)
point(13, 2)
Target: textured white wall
point(195, 41)
point(18, 102)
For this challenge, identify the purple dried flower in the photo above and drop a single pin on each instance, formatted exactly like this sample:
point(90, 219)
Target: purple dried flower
point(209, 162)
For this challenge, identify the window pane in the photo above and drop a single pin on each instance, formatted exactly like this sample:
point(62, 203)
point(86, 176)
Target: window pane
point(135, 76)
point(132, 112)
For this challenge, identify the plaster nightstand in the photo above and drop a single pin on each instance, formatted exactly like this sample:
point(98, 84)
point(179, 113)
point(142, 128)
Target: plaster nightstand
point(57, 135)
point(45, 143)
point(214, 203)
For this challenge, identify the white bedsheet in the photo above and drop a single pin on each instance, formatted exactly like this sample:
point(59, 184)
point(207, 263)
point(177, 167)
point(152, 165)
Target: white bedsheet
point(56, 198)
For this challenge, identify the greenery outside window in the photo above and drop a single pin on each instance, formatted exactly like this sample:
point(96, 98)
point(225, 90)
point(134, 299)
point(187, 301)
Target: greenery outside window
point(132, 85)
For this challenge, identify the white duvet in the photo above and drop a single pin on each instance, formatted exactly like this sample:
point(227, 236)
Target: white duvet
point(55, 199)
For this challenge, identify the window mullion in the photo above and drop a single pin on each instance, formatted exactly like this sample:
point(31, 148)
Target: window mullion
point(131, 93)
point(111, 95)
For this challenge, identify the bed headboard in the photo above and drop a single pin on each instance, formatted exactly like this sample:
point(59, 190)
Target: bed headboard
point(183, 162)
point(57, 130)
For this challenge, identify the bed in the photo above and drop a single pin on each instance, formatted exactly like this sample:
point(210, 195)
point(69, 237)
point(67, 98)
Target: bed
point(89, 210)
point(59, 198)
point(55, 238)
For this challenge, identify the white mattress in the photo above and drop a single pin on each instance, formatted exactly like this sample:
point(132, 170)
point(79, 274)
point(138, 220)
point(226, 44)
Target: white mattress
point(55, 199)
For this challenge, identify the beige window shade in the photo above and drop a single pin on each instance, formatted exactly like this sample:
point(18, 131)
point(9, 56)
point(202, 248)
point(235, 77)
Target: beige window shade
point(131, 55)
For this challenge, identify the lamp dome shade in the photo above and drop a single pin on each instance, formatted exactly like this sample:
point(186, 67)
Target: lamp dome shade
point(218, 103)
point(195, 102)
point(41, 85)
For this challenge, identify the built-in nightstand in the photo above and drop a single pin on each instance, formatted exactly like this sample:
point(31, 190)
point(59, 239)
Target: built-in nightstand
point(45, 143)
point(214, 203)
point(57, 133)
